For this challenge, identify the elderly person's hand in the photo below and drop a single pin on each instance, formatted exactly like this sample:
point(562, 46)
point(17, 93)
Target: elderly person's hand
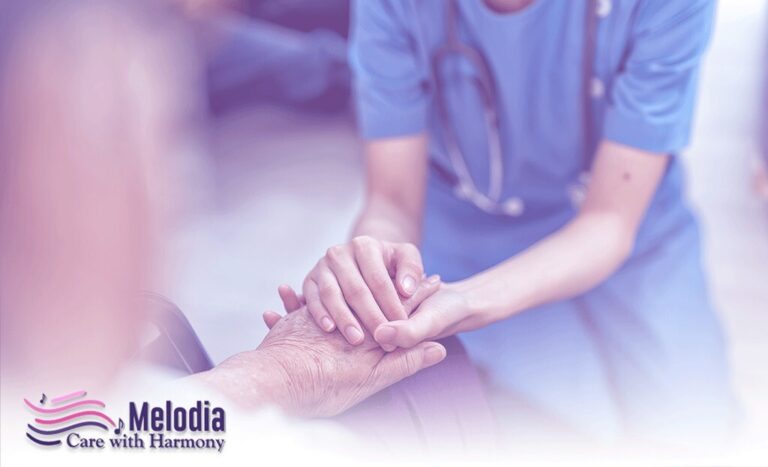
point(308, 372)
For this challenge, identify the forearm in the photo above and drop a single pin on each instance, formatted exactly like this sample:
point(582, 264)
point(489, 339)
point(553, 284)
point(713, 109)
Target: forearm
point(382, 219)
point(396, 182)
point(565, 264)
point(249, 379)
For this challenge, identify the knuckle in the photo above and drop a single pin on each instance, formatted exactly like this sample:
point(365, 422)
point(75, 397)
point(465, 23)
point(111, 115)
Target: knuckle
point(411, 249)
point(411, 362)
point(411, 264)
point(380, 282)
point(321, 265)
point(357, 291)
point(343, 317)
point(315, 310)
point(410, 256)
point(364, 243)
point(327, 291)
point(335, 252)
point(408, 337)
point(394, 310)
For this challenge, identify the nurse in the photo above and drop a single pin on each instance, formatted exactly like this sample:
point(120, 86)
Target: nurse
point(527, 150)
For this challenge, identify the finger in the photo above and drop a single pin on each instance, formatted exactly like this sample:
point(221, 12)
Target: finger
point(333, 301)
point(408, 268)
point(371, 263)
point(356, 292)
point(290, 300)
point(425, 290)
point(271, 318)
point(403, 363)
point(426, 324)
point(316, 308)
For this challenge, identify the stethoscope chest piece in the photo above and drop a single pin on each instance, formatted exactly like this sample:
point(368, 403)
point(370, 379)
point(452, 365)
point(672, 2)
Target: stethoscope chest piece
point(514, 207)
point(604, 8)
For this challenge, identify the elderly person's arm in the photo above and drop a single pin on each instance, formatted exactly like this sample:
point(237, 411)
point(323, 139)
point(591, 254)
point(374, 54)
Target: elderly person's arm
point(308, 372)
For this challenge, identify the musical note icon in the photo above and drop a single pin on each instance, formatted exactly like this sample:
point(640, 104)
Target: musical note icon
point(120, 427)
point(43, 399)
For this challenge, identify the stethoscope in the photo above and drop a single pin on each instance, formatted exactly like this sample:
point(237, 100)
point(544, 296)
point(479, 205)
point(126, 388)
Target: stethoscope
point(465, 187)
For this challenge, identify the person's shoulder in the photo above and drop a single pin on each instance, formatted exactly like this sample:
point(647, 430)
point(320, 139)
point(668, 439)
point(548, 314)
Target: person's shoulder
point(399, 9)
point(663, 11)
point(665, 5)
point(401, 17)
point(394, 8)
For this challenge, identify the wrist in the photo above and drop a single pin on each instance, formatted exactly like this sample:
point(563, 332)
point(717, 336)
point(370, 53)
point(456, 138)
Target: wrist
point(384, 220)
point(250, 379)
point(475, 300)
point(486, 301)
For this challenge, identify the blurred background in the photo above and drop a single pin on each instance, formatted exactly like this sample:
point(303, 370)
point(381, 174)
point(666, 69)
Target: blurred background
point(268, 174)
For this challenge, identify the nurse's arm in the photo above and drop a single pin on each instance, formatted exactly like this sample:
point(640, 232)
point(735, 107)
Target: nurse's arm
point(585, 251)
point(396, 176)
point(567, 263)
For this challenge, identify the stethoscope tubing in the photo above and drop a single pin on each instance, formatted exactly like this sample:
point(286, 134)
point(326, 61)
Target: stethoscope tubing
point(466, 188)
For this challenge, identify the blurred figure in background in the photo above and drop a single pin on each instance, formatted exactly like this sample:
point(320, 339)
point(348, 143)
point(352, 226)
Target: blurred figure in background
point(277, 51)
point(88, 131)
point(87, 126)
point(761, 164)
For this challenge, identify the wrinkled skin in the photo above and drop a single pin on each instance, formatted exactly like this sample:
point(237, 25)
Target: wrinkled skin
point(327, 375)
point(308, 372)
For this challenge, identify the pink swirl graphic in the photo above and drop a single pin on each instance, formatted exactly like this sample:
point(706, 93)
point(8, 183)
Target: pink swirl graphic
point(66, 397)
point(79, 419)
point(75, 415)
point(63, 408)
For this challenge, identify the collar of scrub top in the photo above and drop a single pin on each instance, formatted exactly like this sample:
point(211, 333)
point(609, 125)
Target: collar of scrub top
point(465, 187)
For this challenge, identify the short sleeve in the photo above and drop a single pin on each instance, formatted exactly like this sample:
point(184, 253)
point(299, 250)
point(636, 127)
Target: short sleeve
point(652, 98)
point(389, 75)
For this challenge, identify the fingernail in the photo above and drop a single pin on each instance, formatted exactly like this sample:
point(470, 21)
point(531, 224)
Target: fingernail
point(385, 334)
point(434, 279)
point(388, 347)
point(354, 335)
point(326, 323)
point(409, 284)
point(433, 354)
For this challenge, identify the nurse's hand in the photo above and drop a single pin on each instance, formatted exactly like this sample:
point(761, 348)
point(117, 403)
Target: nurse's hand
point(352, 287)
point(445, 313)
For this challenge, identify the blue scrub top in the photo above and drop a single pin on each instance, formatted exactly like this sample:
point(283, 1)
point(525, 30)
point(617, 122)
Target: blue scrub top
point(628, 355)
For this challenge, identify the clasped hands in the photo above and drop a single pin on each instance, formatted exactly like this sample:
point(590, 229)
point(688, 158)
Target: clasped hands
point(374, 287)
point(388, 313)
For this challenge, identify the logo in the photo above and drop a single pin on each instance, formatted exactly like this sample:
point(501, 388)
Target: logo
point(63, 414)
point(79, 423)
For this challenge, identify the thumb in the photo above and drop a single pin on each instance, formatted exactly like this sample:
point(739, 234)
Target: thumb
point(426, 289)
point(409, 268)
point(402, 363)
point(428, 322)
